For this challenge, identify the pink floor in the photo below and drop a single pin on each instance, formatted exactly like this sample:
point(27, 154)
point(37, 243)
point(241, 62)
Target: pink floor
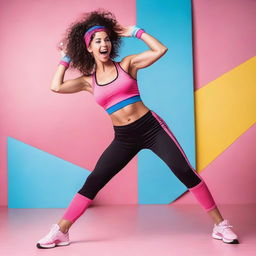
point(109, 230)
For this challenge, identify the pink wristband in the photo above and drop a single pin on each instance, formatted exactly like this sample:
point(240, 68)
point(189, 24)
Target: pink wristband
point(64, 63)
point(139, 33)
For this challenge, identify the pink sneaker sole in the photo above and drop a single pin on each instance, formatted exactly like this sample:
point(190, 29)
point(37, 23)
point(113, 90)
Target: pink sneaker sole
point(225, 240)
point(46, 246)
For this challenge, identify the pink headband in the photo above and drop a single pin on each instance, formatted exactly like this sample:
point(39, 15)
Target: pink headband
point(90, 32)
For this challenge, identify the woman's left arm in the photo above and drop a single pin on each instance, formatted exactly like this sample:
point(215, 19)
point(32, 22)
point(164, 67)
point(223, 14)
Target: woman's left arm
point(146, 58)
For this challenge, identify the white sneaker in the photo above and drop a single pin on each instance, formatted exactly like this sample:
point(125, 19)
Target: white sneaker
point(224, 232)
point(54, 238)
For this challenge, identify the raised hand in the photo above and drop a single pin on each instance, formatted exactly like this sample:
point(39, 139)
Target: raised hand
point(124, 31)
point(61, 49)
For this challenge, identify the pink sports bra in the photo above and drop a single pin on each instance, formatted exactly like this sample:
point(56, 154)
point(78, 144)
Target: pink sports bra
point(118, 93)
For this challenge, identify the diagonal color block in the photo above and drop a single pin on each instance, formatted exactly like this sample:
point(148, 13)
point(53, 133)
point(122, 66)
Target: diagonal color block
point(225, 109)
point(37, 179)
point(237, 161)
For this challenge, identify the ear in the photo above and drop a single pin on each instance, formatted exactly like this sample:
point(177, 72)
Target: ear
point(89, 49)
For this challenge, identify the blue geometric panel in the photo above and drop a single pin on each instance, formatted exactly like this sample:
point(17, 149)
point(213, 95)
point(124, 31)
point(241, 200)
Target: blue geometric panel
point(37, 179)
point(157, 184)
point(167, 88)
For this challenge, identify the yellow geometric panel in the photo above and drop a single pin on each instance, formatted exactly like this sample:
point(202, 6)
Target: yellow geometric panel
point(225, 108)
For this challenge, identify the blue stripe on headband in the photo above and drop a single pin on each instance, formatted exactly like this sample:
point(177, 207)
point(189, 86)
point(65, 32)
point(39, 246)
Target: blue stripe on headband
point(94, 27)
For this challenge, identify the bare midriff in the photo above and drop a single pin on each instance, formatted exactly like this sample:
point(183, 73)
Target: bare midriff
point(129, 113)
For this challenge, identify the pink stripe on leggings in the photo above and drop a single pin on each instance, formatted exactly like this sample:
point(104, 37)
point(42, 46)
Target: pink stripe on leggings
point(77, 207)
point(200, 191)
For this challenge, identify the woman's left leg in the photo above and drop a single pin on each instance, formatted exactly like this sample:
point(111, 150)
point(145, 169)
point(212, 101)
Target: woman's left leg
point(169, 150)
point(166, 146)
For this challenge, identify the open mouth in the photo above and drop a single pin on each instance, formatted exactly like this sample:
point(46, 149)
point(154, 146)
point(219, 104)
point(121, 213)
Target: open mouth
point(104, 52)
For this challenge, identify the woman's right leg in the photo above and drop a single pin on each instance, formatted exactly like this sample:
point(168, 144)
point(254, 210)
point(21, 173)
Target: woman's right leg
point(115, 157)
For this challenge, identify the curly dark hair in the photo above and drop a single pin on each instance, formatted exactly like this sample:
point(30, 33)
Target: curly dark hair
point(74, 43)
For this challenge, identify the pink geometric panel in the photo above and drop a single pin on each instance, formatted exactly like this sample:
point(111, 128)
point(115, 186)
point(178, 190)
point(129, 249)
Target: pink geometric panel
point(224, 37)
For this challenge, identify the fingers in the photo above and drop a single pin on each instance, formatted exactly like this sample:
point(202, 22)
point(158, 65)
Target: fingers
point(62, 53)
point(61, 49)
point(61, 46)
point(119, 29)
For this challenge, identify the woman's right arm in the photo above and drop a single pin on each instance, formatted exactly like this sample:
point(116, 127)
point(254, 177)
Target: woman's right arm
point(69, 86)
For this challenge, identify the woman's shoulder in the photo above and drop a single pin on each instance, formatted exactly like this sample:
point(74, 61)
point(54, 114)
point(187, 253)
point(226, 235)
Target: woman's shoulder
point(88, 78)
point(127, 60)
point(125, 64)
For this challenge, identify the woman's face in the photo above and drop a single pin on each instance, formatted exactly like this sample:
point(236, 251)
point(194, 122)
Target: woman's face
point(100, 43)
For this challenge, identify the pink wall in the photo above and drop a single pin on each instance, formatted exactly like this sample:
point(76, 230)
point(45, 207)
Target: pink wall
point(223, 37)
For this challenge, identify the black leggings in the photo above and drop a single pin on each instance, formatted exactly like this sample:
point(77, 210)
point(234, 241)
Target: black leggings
point(150, 132)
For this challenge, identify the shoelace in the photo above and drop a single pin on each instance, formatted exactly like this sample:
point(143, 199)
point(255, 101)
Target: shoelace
point(52, 232)
point(226, 226)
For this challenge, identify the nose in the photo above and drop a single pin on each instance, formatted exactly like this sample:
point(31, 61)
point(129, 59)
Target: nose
point(103, 42)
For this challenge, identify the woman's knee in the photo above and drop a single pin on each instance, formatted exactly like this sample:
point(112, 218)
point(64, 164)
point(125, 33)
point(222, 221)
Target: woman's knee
point(89, 189)
point(93, 183)
point(188, 176)
point(93, 179)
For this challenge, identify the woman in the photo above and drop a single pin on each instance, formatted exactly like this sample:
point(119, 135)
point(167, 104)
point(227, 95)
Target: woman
point(91, 45)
